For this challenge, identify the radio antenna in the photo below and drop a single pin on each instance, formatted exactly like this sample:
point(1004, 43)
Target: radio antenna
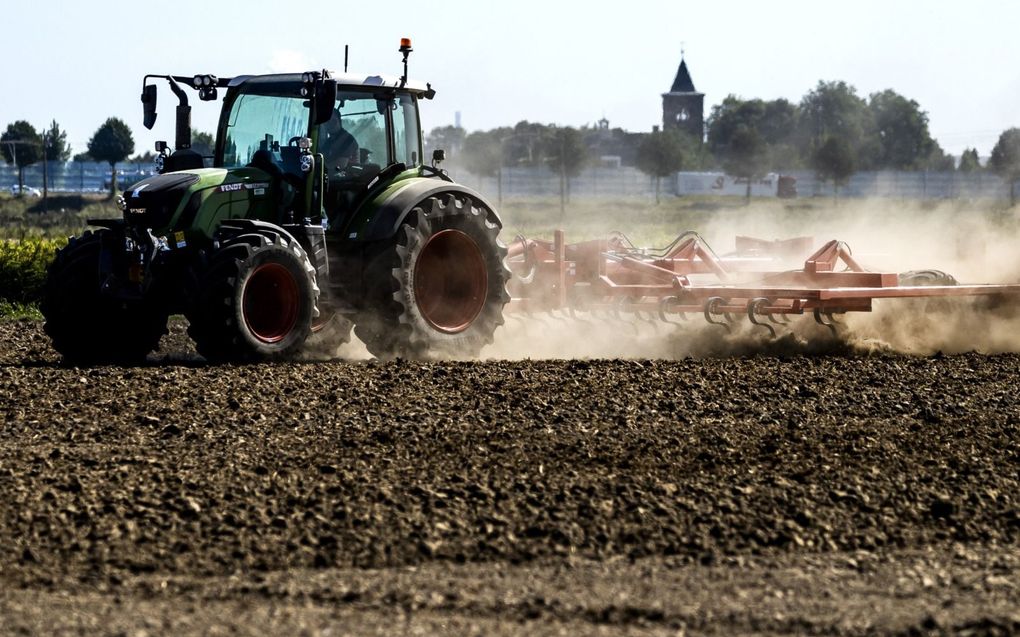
point(347, 48)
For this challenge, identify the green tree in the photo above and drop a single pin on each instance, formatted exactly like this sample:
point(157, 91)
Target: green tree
point(566, 154)
point(448, 138)
point(729, 115)
point(746, 156)
point(969, 161)
point(834, 160)
point(112, 143)
point(147, 157)
point(939, 160)
point(203, 143)
point(21, 146)
point(775, 121)
point(483, 152)
point(904, 142)
point(1005, 160)
point(82, 158)
point(56, 146)
point(525, 144)
point(833, 109)
point(661, 154)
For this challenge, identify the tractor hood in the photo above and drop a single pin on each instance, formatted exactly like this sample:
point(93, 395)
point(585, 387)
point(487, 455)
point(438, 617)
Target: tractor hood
point(172, 201)
point(152, 202)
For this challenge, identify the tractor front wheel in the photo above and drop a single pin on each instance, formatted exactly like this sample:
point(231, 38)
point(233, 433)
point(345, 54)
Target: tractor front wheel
point(257, 300)
point(88, 327)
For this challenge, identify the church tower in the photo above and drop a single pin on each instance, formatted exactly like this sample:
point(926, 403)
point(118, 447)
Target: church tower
point(684, 107)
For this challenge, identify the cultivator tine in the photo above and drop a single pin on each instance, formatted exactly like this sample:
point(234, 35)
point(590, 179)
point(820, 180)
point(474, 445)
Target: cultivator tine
point(628, 305)
point(828, 321)
point(617, 307)
point(710, 309)
point(664, 310)
point(779, 319)
point(754, 309)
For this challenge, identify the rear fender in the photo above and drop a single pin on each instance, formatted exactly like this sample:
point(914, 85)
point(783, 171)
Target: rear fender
point(381, 218)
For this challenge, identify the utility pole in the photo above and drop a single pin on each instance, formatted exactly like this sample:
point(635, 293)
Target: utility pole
point(45, 172)
point(563, 176)
point(13, 145)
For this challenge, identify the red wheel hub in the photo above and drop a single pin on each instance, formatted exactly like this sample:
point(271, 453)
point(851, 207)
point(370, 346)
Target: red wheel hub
point(270, 302)
point(450, 281)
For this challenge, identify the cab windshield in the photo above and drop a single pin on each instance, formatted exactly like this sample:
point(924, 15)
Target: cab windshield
point(262, 122)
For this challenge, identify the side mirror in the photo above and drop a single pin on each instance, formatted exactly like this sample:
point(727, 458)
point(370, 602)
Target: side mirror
point(325, 99)
point(438, 156)
point(149, 105)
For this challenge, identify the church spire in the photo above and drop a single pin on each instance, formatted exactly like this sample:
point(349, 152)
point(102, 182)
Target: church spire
point(683, 108)
point(683, 82)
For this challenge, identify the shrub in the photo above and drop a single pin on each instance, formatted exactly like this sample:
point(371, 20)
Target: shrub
point(23, 264)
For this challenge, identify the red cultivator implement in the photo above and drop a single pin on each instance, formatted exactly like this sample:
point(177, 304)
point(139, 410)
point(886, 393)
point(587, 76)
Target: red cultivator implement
point(687, 276)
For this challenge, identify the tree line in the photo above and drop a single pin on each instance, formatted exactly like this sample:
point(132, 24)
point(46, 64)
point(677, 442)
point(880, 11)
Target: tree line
point(832, 130)
point(23, 146)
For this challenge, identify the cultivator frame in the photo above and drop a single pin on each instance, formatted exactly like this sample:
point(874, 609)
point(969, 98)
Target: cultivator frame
point(612, 275)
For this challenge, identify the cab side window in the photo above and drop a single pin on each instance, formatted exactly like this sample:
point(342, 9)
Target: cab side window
point(406, 141)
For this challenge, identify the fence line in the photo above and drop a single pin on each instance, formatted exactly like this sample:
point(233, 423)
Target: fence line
point(75, 176)
point(596, 182)
point(630, 182)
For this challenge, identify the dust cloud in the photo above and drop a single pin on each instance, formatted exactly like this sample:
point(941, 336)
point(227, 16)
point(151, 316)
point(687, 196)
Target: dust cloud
point(974, 244)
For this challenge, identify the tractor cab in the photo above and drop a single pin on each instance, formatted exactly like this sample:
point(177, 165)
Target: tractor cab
point(322, 143)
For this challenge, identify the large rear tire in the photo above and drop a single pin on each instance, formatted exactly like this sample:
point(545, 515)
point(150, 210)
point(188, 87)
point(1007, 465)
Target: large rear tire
point(257, 299)
point(88, 327)
point(438, 287)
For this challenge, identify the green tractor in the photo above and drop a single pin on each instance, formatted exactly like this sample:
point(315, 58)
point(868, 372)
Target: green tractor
point(316, 215)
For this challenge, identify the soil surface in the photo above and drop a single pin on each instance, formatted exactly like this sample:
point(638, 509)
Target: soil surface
point(831, 494)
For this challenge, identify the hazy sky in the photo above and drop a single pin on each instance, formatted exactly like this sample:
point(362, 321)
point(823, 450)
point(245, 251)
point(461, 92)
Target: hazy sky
point(498, 63)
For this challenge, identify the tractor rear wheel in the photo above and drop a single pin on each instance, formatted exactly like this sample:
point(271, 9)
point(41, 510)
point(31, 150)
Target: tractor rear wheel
point(257, 298)
point(438, 287)
point(88, 327)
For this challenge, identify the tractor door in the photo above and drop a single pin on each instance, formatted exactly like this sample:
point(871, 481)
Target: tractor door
point(368, 133)
point(354, 145)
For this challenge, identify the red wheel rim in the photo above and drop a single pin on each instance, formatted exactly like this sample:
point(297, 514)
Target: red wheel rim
point(270, 302)
point(450, 281)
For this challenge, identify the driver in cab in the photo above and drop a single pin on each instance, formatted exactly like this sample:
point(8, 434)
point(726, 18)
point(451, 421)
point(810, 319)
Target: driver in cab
point(339, 148)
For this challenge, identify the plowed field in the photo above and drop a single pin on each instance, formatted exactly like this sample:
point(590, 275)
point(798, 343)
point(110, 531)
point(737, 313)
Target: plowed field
point(826, 494)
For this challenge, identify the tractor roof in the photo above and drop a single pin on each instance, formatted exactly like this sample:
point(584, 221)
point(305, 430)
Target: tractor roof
point(344, 80)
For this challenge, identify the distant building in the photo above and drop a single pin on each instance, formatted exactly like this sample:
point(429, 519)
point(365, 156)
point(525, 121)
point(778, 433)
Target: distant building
point(683, 107)
point(611, 147)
